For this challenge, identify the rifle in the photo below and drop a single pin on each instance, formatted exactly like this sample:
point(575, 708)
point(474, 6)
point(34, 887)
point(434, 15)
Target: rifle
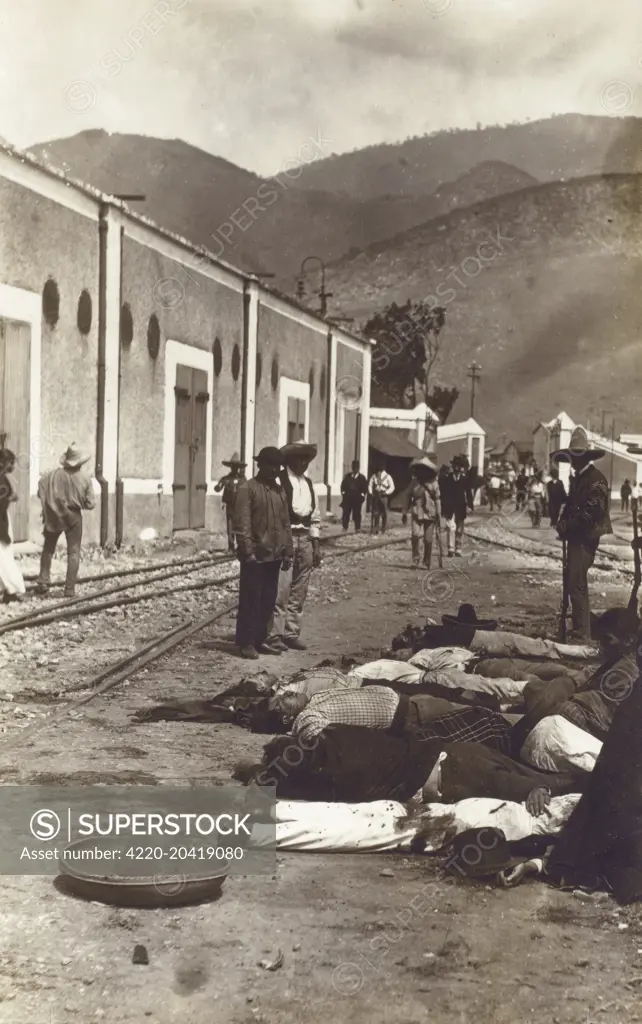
point(565, 600)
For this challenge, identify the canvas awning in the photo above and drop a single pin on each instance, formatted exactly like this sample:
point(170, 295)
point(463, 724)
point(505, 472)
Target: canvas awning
point(393, 443)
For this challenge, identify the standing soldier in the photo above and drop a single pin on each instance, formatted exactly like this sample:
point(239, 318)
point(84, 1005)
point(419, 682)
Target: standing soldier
point(229, 485)
point(305, 522)
point(380, 487)
point(354, 488)
point(584, 519)
point(64, 493)
point(454, 505)
point(425, 508)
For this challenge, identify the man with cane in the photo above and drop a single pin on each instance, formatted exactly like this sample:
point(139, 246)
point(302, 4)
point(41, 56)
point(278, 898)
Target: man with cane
point(584, 519)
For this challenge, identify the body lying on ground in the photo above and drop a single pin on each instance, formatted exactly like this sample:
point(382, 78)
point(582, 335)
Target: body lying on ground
point(387, 825)
point(355, 764)
point(382, 708)
point(496, 643)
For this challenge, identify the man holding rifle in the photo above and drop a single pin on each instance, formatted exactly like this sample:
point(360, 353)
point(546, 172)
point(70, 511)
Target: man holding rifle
point(584, 519)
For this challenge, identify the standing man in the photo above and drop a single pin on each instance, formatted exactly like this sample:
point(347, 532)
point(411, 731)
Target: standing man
point(229, 485)
point(380, 487)
point(424, 506)
point(556, 495)
point(635, 498)
point(64, 493)
point(262, 529)
point(305, 522)
point(495, 491)
point(584, 519)
point(354, 488)
point(625, 494)
point(453, 504)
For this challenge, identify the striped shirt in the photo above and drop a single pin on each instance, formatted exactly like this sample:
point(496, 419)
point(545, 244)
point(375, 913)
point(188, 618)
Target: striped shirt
point(374, 707)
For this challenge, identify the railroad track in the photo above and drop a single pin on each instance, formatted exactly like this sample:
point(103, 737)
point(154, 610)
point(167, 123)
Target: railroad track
point(116, 673)
point(605, 561)
point(94, 602)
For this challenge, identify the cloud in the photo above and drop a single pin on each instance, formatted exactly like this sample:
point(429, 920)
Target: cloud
point(251, 79)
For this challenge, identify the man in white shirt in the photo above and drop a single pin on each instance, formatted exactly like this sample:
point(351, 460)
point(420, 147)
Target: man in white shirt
point(380, 487)
point(305, 523)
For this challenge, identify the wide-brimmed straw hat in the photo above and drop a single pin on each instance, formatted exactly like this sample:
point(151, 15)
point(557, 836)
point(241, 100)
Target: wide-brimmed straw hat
point(305, 448)
point(467, 616)
point(425, 462)
point(577, 446)
point(74, 457)
point(235, 461)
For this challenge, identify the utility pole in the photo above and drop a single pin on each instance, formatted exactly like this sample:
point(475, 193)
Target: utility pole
point(474, 374)
point(322, 293)
point(612, 457)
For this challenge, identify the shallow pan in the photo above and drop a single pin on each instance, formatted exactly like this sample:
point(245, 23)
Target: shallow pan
point(80, 878)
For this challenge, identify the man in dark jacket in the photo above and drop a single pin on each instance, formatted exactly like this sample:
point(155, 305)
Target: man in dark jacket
point(264, 538)
point(354, 488)
point(305, 523)
point(584, 519)
point(454, 493)
point(556, 495)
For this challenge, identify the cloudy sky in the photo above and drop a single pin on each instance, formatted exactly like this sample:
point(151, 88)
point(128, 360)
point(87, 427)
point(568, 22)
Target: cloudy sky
point(252, 80)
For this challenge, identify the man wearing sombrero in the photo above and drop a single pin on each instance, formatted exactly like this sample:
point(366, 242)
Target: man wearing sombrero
point(64, 493)
point(305, 522)
point(424, 506)
point(229, 485)
point(584, 519)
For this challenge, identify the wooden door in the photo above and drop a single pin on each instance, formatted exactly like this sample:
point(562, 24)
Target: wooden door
point(296, 420)
point(190, 469)
point(15, 391)
point(198, 475)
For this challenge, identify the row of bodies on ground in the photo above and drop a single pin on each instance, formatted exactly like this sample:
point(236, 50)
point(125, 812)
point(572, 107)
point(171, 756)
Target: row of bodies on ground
point(380, 785)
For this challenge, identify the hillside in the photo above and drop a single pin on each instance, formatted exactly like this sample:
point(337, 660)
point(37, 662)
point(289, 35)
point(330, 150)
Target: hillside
point(554, 320)
point(193, 193)
point(566, 146)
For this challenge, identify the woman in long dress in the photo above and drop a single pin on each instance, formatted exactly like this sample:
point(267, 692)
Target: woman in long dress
point(12, 585)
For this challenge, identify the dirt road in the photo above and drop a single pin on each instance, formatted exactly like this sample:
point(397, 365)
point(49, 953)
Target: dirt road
point(358, 945)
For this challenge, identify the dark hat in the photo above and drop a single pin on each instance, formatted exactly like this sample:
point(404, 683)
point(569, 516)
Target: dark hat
point(467, 616)
point(235, 461)
point(479, 852)
point(577, 446)
point(271, 455)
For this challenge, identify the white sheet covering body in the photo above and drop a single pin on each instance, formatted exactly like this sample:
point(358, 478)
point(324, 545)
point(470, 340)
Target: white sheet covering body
point(374, 827)
point(556, 745)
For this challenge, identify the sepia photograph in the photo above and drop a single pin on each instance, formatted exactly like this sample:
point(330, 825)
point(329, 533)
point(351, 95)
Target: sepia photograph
point(320, 342)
